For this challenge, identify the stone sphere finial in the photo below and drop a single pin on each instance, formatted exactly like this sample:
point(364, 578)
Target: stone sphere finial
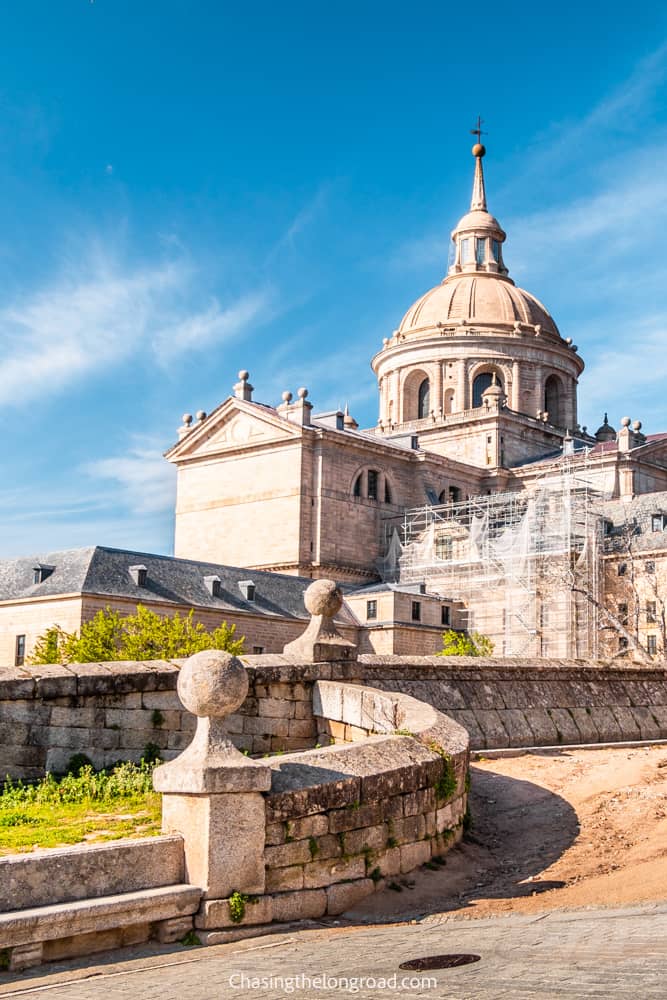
point(287, 396)
point(323, 597)
point(625, 421)
point(187, 419)
point(302, 392)
point(201, 415)
point(212, 683)
point(637, 426)
point(244, 376)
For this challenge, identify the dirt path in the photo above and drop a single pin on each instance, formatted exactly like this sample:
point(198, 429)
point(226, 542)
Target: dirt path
point(564, 829)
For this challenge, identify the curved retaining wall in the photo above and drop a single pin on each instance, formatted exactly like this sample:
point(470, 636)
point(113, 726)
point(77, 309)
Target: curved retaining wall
point(341, 819)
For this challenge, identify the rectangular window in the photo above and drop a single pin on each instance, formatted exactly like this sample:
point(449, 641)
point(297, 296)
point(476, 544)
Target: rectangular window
point(650, 611)
point(445, 616)
point(652, 644)
point(19, 658)
point(258, 649)
point(372, 484)
point(495, 246)
point(371, 609)
point(658, 522)
point(608, 527)
point(465, 251)
point(623, 614)
point(480, 251)
point(622, 642)
point(416, 611)
point(650, 566)
point(443, 546)
point(622, 569)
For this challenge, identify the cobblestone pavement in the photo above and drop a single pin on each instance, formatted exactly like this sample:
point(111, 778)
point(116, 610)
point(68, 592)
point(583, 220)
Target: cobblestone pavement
point(585, 953)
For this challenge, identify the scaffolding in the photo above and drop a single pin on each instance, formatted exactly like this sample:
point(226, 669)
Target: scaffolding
point(525, 567)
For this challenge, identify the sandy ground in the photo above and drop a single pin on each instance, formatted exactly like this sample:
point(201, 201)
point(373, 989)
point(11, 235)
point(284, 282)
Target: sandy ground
point(567, 828)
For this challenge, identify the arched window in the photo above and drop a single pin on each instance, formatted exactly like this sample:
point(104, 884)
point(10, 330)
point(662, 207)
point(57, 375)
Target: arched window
point(480, 385)
point(449, 401)
point(423, 399)
point(387, 491)
point(553, 400)
point(357, 485)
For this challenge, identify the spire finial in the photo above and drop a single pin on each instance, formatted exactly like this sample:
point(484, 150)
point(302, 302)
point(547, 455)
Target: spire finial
point(478, 132)
point(478, 200)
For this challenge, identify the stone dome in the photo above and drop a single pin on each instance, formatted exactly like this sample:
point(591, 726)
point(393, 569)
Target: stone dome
point(485, 299)
point(478, 219)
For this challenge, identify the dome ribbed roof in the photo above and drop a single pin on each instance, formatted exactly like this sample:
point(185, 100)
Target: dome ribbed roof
point(477, 298)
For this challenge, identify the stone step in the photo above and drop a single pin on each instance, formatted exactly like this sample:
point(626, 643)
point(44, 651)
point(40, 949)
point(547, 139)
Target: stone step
point(85, 916)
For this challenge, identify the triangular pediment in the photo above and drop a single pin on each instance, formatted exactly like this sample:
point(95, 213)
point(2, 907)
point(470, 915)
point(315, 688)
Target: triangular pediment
point(236, 424)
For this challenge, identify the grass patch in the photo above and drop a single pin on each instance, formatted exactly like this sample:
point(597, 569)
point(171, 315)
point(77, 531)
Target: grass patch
point(87, 806)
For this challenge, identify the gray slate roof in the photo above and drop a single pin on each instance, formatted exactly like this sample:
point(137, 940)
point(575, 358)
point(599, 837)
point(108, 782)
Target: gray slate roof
point(105, 571)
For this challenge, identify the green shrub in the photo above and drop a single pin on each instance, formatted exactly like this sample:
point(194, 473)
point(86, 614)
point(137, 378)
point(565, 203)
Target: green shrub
point(461, 644)
point(144, 635)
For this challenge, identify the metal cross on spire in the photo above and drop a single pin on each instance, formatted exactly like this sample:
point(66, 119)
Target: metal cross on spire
point(478, 131)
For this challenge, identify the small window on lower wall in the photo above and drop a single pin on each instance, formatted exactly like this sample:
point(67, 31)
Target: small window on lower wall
point(416, 611)
point(19, 658)
point(257, 649)
point(371, 609)
point(445, 616)
point(652, 644)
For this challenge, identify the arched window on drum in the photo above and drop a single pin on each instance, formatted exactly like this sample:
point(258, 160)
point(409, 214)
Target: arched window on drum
point(553, 400)
point(423, 399)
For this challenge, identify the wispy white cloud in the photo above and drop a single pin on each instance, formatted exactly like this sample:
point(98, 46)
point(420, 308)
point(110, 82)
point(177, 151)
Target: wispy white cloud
point(213, 325)
point(301, 221)
point(143, 481)
point(619, 113)
point(99, 311)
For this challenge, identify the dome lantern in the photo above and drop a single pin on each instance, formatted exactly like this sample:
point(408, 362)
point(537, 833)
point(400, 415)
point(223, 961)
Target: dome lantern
point(478, 237)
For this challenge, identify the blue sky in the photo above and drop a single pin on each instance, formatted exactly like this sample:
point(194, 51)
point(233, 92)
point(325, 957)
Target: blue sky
point(190, 187)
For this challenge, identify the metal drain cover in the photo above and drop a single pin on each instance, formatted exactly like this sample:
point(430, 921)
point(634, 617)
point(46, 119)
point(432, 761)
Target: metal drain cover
point(438, 962)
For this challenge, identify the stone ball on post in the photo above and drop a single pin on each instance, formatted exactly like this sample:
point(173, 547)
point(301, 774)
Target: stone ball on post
point(212, 683)
point(323, 597)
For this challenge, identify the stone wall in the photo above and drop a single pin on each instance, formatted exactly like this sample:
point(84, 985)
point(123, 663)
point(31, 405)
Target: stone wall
point(112, 711)
point(107, 711)
point(387, 794)
point(514, 702)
